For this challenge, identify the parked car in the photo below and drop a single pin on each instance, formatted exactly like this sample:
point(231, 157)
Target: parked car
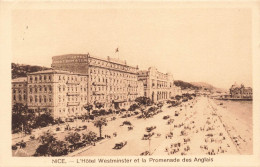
point(120, 145)
point(166, 117)
point(145, 153)
point(149, 129)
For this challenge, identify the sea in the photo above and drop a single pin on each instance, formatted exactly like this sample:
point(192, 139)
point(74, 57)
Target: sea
point(242, 109)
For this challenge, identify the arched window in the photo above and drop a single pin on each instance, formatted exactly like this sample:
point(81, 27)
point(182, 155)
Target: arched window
point(36, 99)
point(40, 98)
point(31, 99)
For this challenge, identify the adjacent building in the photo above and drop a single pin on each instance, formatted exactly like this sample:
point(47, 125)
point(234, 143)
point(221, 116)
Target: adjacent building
point(19, 90)
point(157, 85)
point(62, 93)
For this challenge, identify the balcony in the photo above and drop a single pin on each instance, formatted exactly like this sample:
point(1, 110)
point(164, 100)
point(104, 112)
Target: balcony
point(73, 82)
point(132, 93)
point(99, 84)
point(72, 103)
point(98, 92)
point(73, 94)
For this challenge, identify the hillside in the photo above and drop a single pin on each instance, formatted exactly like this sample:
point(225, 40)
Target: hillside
point(206, 86)
point(21, 70)
point(185, 85)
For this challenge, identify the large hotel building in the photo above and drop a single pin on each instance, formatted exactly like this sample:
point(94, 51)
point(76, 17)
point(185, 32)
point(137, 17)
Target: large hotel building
point(78, 79)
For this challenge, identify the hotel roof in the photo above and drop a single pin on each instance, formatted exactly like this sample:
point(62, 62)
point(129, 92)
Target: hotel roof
point(52, 71)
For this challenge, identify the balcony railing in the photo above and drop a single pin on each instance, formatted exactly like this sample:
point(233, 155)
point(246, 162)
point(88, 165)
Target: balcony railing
point(73, 94)
point(131, 93)
point(99, 84)
point(72, 103)
point(73, 82)
point(98, 92)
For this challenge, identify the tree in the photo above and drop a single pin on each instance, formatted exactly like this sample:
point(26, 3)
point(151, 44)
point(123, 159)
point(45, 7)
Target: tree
point(160, 104)
point(50, 146)
point(178, 97)
point(99, 105)
point(58, 148)
point(88, 107)
point(22, 118)
point(44, 119)
point(73, 138)
point(143, 102)
point(89, 137)
point(99, 124)
point(133, 107)
point(47, 138)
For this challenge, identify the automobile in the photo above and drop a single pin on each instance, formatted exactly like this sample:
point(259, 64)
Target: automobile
point(130, 128)
point(149, 129)
point(170, 121)
point(166, 117)
point(147, 136)
point(69, 120)
point(120, 145)
point(145, 153)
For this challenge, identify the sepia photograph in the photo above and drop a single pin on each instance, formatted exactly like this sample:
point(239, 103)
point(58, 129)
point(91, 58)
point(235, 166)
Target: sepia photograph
point(122, 79)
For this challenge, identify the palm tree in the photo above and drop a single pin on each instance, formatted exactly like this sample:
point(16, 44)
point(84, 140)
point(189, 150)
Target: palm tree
point(99, 123)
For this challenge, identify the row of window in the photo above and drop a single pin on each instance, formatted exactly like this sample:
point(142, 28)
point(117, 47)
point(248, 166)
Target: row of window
point(19, 97)
point(72, 98)
point(111, 73)
point(40, 99)
point(40, 78)
point(72, 88)
point(40, 89)
point(72, 78)
point(19, 91)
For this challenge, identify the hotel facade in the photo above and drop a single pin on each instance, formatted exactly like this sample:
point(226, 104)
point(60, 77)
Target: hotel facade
point(110, 81)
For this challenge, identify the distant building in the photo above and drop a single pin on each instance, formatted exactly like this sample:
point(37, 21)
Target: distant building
point(157, 85)
point(19, 90)
point(241, 91)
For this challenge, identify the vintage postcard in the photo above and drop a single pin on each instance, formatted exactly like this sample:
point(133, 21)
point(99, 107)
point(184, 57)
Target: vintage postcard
point(135, 83)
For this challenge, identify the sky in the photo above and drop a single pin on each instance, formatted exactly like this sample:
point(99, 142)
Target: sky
point(212, 45)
